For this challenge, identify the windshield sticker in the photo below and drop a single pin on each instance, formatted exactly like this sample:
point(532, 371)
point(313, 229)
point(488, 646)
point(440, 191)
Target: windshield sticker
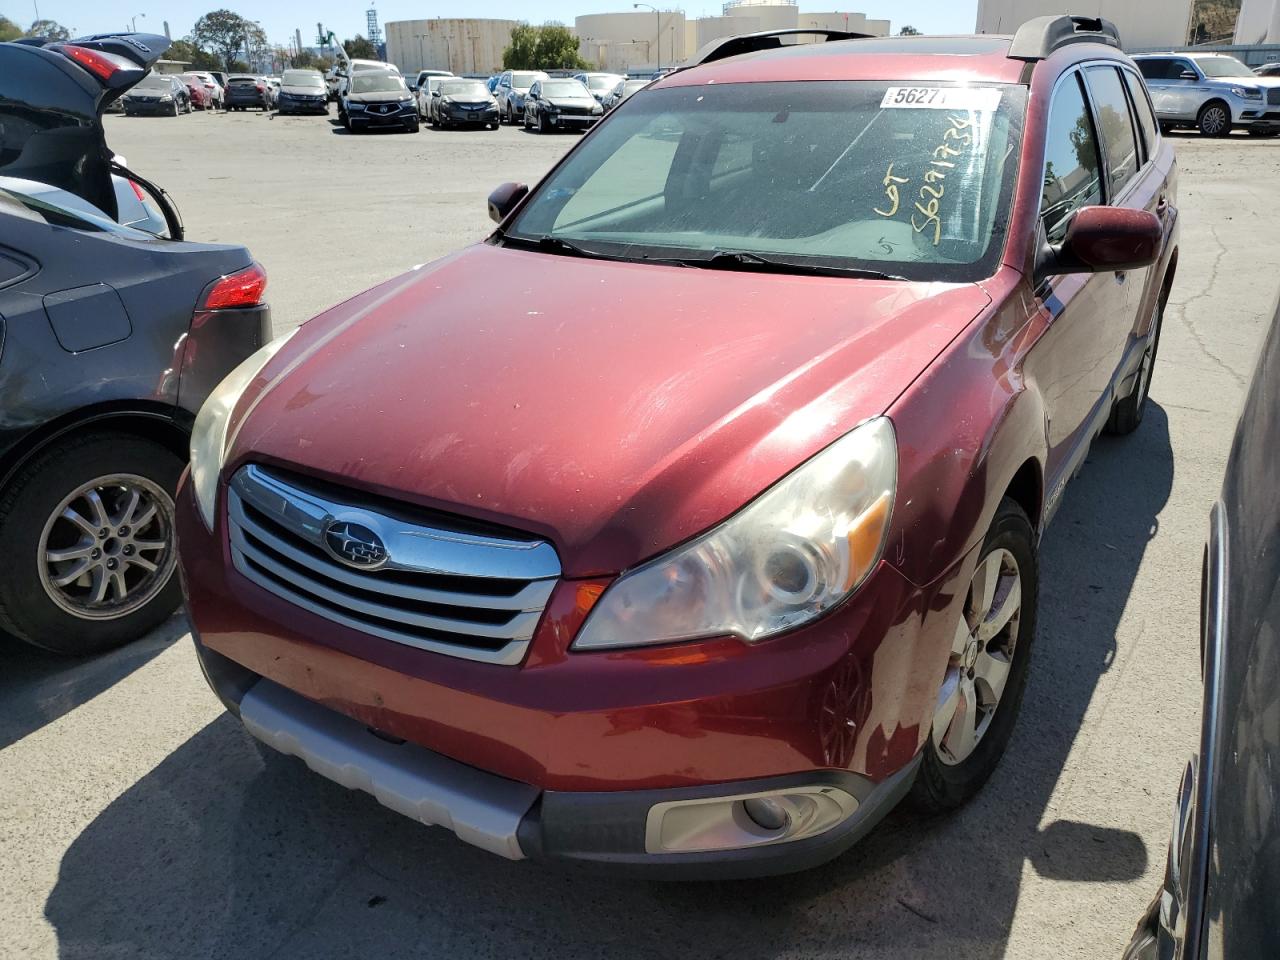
point(981, 99)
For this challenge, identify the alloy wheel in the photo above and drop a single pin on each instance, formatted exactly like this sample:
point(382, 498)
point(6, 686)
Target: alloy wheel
point(1214, 121)
point(982, 654)
point(107, 549)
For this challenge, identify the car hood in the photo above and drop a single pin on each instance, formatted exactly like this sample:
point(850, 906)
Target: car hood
point(571, 101)
point(388, 97)
point(613, 408)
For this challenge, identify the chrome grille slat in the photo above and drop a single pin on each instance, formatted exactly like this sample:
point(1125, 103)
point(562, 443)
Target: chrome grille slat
point(534, 596)
point(451, 591)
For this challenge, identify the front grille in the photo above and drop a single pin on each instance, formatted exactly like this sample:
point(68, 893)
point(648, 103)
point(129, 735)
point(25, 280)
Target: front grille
point(445, 587)
point(1273, 96)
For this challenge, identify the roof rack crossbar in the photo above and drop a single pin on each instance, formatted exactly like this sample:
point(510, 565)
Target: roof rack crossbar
point(1041, 36)
point(765, 40)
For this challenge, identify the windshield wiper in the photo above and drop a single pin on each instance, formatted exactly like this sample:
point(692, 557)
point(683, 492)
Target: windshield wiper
point(553, 245)
point(749, 260)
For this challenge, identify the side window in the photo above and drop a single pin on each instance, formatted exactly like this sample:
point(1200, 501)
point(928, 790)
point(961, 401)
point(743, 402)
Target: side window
point(1071, 165)
point(534, 91)
point(1142, 107)
point(1119, 142)
point(1154, 68)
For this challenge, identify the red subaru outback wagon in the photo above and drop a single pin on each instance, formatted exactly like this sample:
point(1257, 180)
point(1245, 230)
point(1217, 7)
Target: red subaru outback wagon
point(690, 522)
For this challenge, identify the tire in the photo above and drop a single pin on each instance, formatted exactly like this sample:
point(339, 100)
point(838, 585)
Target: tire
point(542, 123)
point(67, 619)
point(946, 781)
point(1126, 414)
point(174, 109)
point(1214, 119)
point(415, 127)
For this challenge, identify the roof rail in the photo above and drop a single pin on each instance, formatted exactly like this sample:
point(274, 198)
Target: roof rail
point(765, 40)
point(1041, 36)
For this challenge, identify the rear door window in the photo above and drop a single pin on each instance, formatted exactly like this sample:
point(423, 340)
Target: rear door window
point(1072, 168)
point(1119, 141)
point(1142, 107)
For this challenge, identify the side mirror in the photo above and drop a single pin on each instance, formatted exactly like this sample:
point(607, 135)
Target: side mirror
point(435, 93)
point(1104, 238)
point(504, 199)
point(1188, 75)
point(413, 88)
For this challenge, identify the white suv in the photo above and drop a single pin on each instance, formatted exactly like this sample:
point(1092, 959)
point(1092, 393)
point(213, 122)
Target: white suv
point(1212, 92)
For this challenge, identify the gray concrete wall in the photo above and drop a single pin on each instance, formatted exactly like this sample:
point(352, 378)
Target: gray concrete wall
point(1142, 23)
point(459, 45)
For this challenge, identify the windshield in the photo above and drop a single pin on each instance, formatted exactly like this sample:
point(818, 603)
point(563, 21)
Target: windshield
point(384, 83)
point(631, 86)
point(909, 181)
point(523, 81)
point(601, 82)
point(1223, 67)
point(302, 78)
point(564, 88)
point(464, 90)
point(155, 83)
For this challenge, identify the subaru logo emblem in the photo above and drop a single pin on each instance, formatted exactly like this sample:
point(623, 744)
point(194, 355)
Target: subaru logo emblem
point(355, 545)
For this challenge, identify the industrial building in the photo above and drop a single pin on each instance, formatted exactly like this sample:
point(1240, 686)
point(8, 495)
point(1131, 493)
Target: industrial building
point(645, 39)
point(459, 45)
point(1151, 24)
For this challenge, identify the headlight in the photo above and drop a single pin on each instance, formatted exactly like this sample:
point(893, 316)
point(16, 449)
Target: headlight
point(165, 96)
point(784, 560)
point(595, 108)
point(1247, 93)
point(209, 436)
point(354, 106)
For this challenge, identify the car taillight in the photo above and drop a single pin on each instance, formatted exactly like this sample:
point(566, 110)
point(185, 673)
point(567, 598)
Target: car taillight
point(100, 65)
point(137, 191)
point(259, 86)
point(243, 288)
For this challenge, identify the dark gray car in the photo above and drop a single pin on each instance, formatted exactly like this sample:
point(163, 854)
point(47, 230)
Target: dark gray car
point(111, 338)
point(1222, 879)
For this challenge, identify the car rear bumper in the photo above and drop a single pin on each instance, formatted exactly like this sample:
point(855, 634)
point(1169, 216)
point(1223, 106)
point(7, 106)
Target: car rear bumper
point(152, 108)
point(594, 741)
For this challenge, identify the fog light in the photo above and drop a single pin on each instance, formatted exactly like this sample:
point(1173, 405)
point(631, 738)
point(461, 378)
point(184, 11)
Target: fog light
point(766, 813)
point(746, 820)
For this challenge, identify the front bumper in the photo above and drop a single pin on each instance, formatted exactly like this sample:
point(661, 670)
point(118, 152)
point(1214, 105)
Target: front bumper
point(288, 104)
point(461, 115)
point(406, 116)
point(148, 106)
point(596, 740)
point(620, 831)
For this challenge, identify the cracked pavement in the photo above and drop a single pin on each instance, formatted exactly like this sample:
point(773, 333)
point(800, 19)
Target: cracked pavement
point(136, 820)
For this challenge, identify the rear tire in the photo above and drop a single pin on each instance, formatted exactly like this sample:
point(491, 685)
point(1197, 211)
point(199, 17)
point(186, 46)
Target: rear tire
point(950, 774)
point(33, 524)
point(1214, 119)
point(1127, 414)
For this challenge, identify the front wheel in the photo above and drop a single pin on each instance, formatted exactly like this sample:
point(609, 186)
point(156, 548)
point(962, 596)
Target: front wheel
point(986, 672)
point(87, 532)
point(1214, 119)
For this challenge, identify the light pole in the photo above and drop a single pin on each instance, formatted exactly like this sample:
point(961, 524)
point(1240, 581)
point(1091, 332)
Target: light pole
point(658, 15)
point(134, 22)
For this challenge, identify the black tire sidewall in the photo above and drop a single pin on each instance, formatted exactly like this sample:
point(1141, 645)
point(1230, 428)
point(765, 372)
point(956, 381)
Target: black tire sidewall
point(940, 786)
point(26, 504)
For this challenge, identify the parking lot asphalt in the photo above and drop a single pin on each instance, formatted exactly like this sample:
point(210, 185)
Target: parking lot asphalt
point(137, 820)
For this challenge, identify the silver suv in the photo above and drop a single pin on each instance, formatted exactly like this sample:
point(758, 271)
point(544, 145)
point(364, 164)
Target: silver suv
point(1212, 92)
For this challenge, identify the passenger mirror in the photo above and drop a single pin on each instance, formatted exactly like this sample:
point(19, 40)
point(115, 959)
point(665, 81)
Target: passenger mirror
point(435, 93)
point(504, 199)
point(1104, 238)
point(1188, 75)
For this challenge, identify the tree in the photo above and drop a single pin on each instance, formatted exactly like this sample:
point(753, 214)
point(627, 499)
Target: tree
point(188, 51)
point(522, 54)
point(48, 28)
point(9, 30)
point(908, 31)
point(226, 34)
point(548, 47)
point(558, 48)
point(358, 48)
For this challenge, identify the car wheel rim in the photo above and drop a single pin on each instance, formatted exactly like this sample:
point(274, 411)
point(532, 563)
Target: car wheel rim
point(107, 549)
point(981, 657)
point(1214, 120)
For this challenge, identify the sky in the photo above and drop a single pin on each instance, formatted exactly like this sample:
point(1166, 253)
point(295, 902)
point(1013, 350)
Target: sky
point(346, 18)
